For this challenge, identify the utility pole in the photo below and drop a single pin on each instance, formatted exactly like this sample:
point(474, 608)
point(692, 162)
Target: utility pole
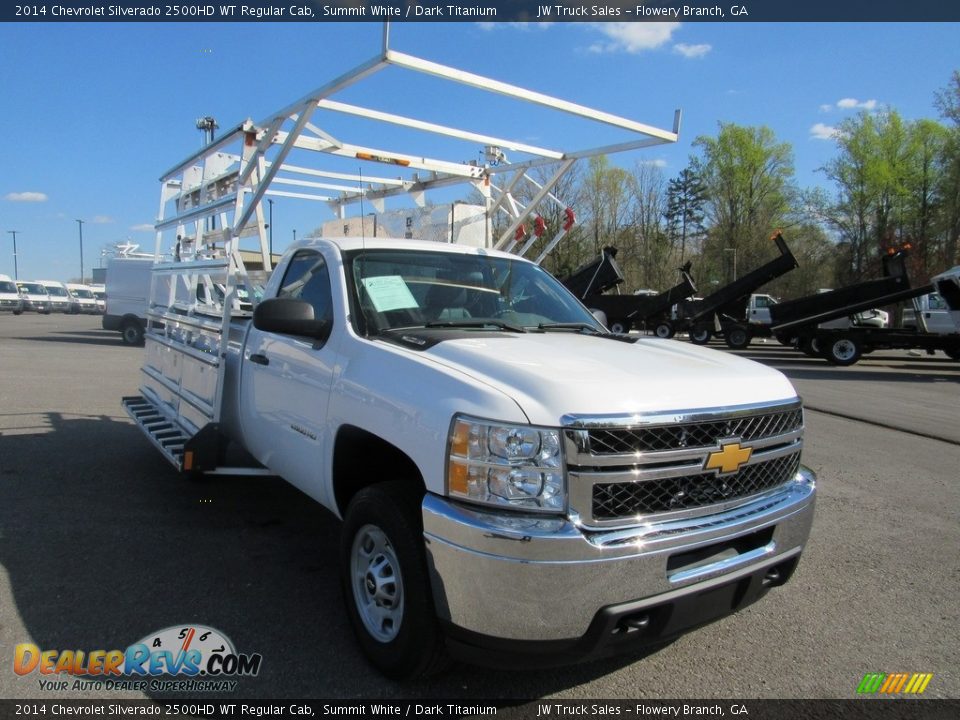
point(80, 225)
point(14, 233)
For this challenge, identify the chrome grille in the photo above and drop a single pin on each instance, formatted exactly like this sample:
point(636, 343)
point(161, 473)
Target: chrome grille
point(621, 441)
point(626, 499)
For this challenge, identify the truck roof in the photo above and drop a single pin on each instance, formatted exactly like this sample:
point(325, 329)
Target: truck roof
point(348, 244)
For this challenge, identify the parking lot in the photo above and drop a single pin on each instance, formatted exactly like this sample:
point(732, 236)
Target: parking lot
point(101, 543)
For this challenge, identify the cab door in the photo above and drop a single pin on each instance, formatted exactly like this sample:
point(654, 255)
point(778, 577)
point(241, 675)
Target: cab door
point(286, 382)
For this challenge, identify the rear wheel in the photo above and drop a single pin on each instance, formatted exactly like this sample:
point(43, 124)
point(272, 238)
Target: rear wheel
point(953, 353)
point(619, 326)
point(700, 336)
point(809, 346)
point(737, 337)
point(664, 330)
point(386, 583)
point(132, 333)
point(844, 350)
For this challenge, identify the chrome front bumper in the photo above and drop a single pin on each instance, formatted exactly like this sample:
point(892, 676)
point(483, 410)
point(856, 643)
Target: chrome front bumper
point(546, 579)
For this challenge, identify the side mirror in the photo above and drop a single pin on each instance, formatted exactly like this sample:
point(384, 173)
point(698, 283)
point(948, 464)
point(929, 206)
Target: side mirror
point(290, 316)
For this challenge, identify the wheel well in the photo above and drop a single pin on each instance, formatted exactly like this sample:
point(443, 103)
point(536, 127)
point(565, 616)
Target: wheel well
point(361, 458)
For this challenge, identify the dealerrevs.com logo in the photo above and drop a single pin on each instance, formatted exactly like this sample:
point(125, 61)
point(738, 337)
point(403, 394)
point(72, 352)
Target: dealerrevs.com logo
point(186, 658)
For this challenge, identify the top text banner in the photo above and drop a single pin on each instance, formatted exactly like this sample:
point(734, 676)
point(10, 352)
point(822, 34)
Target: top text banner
point(480, 11)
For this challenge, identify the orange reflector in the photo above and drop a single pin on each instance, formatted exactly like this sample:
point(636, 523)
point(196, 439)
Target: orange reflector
point(460, 445)
point(457, 475)
point(188, 460)
point(382, 158)
point(776, 234)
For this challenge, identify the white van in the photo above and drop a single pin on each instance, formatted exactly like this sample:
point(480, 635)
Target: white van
point(60, 300)
point(10, 300)
point(127, 287)
point(84, 297)
point(35, 296)
point(100, 293)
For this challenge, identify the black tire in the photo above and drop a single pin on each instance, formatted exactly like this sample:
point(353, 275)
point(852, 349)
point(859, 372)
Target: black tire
point(953, 353)
point(700, 335)
point(18, 312)
point(132, 333)
point(737, 337)
point(785, 339)
point(843, 350)
point(386, 584)
point(809, 347)
point(665, 330)
point(619, 326)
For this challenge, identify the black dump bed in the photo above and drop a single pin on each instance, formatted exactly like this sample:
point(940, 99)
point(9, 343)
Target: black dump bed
point(596, 276)
point(731, 300)
point(822, 307)
point(589, 282)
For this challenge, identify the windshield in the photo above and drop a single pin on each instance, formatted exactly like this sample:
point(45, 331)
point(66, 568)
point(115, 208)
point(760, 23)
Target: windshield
point(56, 290)
point(33, 288)
point(403, 289)
point(85, 294)
point(7, 287)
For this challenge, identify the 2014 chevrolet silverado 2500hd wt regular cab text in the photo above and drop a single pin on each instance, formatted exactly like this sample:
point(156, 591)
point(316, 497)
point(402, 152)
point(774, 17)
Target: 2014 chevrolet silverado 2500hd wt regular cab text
point(514, 481)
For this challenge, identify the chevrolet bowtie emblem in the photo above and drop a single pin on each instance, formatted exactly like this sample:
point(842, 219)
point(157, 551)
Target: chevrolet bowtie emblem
point(729, 458)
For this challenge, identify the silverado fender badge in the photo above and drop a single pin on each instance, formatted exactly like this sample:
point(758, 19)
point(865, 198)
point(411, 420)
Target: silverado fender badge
point(729, 458)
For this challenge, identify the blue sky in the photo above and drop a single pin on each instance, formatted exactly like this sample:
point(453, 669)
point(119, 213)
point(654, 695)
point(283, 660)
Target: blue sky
point(92, 113)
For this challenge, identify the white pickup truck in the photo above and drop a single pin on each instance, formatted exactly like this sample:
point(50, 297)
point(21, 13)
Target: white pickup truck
point(516, 484)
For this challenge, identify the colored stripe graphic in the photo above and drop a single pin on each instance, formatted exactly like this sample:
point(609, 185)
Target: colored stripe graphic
point(894, 683)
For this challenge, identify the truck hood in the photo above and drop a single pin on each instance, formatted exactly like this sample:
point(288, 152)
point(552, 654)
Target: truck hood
point(555, 374)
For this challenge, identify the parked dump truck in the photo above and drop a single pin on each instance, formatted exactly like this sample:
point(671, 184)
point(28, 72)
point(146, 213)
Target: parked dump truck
point(805, 322)
point(724, 312)
point(517, 484)
point(623, 312)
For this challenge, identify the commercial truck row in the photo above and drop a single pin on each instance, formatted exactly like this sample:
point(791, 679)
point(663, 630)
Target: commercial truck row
point(837, 324)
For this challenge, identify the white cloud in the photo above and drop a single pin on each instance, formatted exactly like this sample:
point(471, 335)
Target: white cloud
point(826, 108)
point(26, 197)
point(692, 51)
point(143, 227)
point(657, 163)
point(823, 132)
point(854, 104)
point(633, 37)
point(102, 220)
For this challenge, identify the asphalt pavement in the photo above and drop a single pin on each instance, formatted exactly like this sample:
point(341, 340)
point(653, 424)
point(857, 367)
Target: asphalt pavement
point(102, 543)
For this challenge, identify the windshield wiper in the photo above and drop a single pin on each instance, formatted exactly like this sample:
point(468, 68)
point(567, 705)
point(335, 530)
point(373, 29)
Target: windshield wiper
point(570, 326)
point(476, 324)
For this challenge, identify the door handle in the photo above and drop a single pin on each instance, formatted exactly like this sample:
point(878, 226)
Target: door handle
point(260, 359)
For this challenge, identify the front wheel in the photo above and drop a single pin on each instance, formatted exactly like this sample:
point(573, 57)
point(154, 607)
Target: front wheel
point(386, 583)
point(844, 350)
point(953, 353)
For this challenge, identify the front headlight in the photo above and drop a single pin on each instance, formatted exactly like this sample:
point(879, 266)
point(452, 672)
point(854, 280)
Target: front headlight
point(516, 466)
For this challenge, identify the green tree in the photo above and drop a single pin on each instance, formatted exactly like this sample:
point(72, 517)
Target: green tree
point(686, 195)
point(748, 179)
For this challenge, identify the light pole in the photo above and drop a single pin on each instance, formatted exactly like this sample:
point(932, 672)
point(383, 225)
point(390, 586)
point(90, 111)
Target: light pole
point(80, 225)
point(294, 236)
point(270, 228)
point(14, 233)
point(734, 251)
